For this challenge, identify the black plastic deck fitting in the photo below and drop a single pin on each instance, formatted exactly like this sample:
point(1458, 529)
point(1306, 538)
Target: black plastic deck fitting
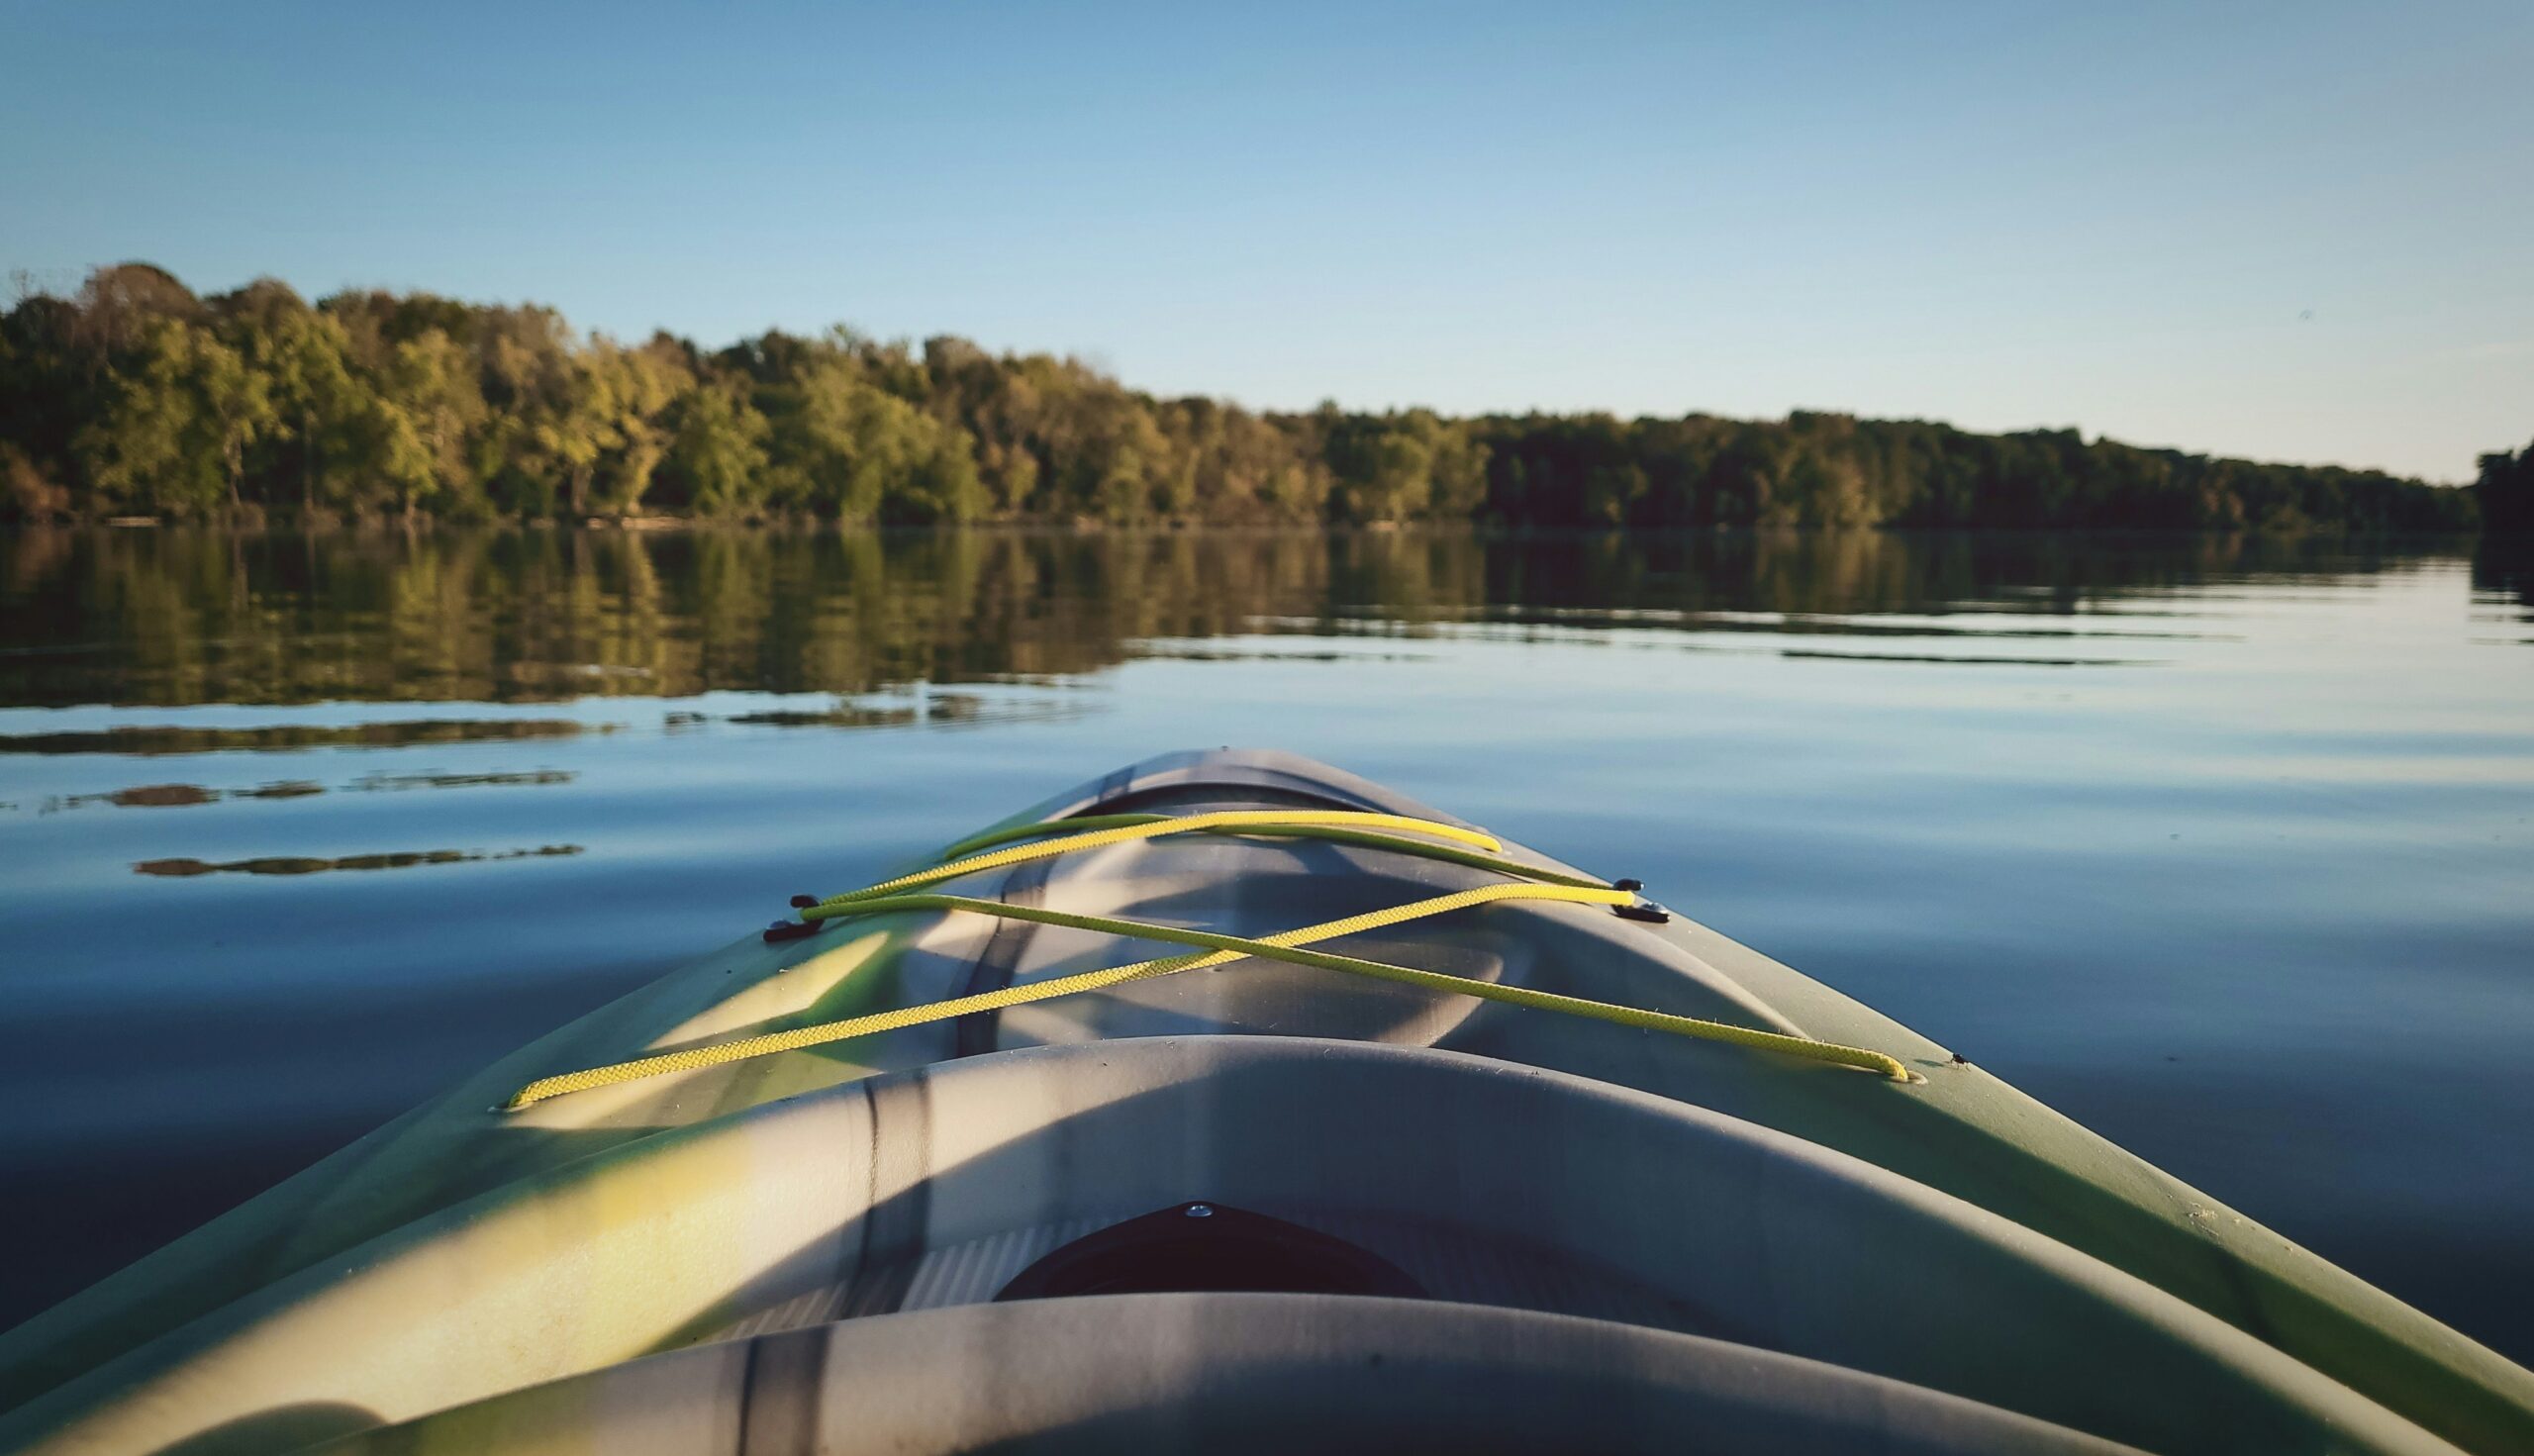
point(782, 930)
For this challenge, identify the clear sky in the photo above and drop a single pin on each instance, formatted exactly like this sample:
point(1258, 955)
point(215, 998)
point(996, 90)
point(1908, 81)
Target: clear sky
point(2297, 232)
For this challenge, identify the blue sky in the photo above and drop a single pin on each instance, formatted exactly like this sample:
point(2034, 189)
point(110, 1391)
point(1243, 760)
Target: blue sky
point(2290, 232)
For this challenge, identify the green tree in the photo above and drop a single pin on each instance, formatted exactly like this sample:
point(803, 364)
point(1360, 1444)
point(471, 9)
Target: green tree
point(236, 404)
point(849, 448)
point(386, 451)
point(635, 389)
point(1458, 472)
point(315, 401)
point(719, 449)
point(430, 384)
point(575, 428)
point(178, 411)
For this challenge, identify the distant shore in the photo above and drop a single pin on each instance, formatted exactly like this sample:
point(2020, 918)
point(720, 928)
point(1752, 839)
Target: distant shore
point(135, 398)
point(254, 522)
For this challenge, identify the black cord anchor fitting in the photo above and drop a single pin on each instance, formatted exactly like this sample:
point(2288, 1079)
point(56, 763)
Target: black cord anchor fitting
point(782, 930)
point(1641, 908)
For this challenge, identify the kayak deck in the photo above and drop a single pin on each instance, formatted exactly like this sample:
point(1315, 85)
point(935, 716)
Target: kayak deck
point(1942, 1235)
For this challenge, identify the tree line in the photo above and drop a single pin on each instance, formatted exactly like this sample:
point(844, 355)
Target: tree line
point(134, 396)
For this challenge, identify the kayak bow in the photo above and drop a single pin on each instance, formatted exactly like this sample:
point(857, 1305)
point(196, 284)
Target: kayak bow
point(1416, 1136)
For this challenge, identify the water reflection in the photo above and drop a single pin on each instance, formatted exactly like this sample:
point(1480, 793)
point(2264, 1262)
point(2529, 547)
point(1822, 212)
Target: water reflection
point(152, 796)
point(389, 782)
point(1828, 655)
point(935, 709)
point(2504, 574)
point(176, 617)
point(303, 865)
point(187, 796)
point(157, 739)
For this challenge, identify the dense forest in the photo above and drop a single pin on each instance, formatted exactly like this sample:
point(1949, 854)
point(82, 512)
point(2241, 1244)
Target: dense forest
point(136, 397)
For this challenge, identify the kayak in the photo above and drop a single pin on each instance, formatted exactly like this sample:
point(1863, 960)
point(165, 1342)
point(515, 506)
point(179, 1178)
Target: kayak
point(1229, 1101)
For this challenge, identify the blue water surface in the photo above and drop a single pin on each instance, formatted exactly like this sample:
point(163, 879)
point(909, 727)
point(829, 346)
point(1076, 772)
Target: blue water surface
point(2223, 847)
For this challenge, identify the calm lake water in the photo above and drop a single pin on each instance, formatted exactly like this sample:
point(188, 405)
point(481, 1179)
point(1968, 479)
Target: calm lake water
point(2224, 848)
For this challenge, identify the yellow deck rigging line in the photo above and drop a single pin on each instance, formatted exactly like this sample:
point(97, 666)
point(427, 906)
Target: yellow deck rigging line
point(1285, 946)
point(1231, 818)
point(1396, 843)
